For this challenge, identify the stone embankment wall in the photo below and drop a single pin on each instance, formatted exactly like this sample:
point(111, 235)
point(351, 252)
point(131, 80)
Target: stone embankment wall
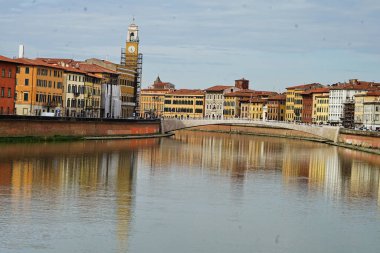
point(365, 139)
point(75, 127)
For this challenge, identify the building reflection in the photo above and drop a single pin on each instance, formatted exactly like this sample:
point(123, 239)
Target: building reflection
point(79, 171)
point(337, 172)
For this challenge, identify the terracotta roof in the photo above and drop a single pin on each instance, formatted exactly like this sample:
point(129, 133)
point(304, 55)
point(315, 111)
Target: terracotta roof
point(277, 97)
point(186, 92)
point(219, 88)
point(56, 60)
point(359, 86)
point(304, 86)
point(74, 70)
point(36, 62)
point(93, 68)
point(373, 93)
point(249, 93)
point(254, 100)
point(6, 59)
point(316, 90)
point(155, 89)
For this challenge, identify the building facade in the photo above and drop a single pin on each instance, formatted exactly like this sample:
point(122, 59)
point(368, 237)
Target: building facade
point(321, 108)
point(214, 100)
point(342, 93)
point(126, 81)
point(253, 109)
point(74, 92)
point(39, 88)
point(92, 95)
point(184, 104)
point(294, 103)
point(152, 103)
point(276, 107)
point(367, 110)
point(8, 68)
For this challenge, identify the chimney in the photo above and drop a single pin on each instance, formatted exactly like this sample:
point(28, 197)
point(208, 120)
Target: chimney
point(242, 84)
point(21, 51)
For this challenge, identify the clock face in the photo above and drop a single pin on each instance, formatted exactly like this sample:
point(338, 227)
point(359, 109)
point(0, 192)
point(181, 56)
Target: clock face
point(131, 49)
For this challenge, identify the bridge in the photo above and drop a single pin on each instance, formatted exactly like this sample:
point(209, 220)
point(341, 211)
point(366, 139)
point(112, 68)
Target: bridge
point(330, 133)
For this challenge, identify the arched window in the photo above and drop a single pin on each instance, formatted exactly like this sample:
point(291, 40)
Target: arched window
point(69, 88)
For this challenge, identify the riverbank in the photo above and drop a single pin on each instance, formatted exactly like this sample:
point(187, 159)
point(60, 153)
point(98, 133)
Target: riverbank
point(49, 129)
point(356, 140)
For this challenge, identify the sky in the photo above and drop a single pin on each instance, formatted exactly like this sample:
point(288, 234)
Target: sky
point(200, 43)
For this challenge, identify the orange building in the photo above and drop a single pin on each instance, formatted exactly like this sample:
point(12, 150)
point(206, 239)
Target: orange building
point(39, 88)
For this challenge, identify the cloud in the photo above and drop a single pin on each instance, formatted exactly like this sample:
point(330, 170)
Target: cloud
point(206, 37)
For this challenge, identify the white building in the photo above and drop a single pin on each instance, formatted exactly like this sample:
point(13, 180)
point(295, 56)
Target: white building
point(214, 100)
point(371, 117)
point(342, 93)
point(111, 102)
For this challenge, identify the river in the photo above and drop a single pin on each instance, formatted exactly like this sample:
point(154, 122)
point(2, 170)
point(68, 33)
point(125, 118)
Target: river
point(193, 192)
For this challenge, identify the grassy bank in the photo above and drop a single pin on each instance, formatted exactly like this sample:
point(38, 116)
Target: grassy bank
point(59, 138)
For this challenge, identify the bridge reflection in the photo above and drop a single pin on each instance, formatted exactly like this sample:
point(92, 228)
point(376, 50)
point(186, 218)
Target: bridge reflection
point(335, 171)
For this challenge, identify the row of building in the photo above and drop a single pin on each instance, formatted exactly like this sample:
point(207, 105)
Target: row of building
point(352, 104)
point(68, 88)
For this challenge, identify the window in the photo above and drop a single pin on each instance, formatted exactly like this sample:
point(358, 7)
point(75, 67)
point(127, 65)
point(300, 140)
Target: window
point(2, 92)
point(26, 96)
point(3, 72)
point(26, 70)
point(9, 73)
point(17, 69)
point(9, 92)
point(26, 82)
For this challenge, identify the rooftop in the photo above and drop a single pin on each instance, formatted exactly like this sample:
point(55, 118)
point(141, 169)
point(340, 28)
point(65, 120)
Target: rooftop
point(219, 88)
point(6, 59)
point(304, 86)
point(186, 92)
point(36, 62)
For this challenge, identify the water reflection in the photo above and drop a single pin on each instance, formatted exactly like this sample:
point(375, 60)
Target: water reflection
point(336, 171)
point(134, 196)
point(66, 177)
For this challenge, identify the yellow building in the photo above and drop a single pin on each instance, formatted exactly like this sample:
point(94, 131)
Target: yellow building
point(252, 109)
point(92, 95)
point(320, 108)
point(39, 88)
point(367, 109)
point(233, 100)
point(293, 112)
point(184, 104)
point(152, 103)
point(152, 99)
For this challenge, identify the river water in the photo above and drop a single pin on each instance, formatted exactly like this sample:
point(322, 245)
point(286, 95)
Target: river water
point(194, 192)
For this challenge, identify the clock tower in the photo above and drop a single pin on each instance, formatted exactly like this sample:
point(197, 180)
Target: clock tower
point(132, 46)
